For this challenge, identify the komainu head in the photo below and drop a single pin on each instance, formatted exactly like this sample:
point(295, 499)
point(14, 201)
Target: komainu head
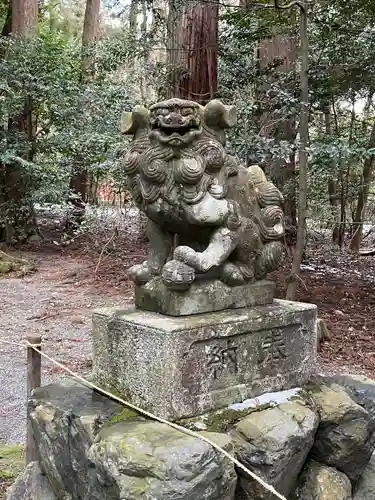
point(175, 122)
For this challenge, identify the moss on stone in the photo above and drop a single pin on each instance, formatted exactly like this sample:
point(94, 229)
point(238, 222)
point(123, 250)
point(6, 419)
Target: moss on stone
point(5, 266)
point(304, 397)
point(111, 389)
point(140, 486)
point(125, 414)
point(313, 387)
point(12, 461)
point(222, 420)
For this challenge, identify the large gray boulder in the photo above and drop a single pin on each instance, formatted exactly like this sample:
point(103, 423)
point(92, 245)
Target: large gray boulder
point(345, 438)
point(319, 482)
point(365, 489)
point(66, 418)
point(274, 443)
point(31, 485)
point(360, 388)
point(152, 461)
point(93, 449)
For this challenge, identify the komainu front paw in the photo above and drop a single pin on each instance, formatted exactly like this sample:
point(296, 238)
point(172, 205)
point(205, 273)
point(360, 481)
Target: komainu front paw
point(231, 275)
point(142, 273)
point(187, 255)
point(271, 258)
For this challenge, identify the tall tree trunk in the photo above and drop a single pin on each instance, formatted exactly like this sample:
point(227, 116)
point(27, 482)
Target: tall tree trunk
point(79, 182)
point(24, 17)
point(133, 25)
point(133, 12)
point(363, 196)
point(7, 28)
point(17, 217)
point(192, 50)
point(282, 52)
point(333, 196)
point(303, 156)
point(90, 32)
point(143, 72)
point(53, 9)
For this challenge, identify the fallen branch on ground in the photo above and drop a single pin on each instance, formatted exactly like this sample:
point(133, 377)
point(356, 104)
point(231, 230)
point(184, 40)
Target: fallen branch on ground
point(367, 251)
point(115, 233)
point(12, 258)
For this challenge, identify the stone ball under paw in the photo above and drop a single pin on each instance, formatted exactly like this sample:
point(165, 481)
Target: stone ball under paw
point(177, 276)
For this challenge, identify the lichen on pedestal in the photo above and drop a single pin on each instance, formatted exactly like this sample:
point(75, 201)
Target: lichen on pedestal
point(209, 217)
point(202, 297)
point(180, 367)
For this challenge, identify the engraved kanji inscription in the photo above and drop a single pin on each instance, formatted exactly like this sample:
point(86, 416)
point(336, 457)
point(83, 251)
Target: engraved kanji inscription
point(273, 348)
point(222, 358)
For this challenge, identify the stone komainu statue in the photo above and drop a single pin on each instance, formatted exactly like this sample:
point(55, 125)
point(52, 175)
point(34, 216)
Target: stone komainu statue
point(209, 216)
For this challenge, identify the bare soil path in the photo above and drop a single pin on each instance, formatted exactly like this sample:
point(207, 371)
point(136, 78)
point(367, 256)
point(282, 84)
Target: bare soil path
point(56, 302)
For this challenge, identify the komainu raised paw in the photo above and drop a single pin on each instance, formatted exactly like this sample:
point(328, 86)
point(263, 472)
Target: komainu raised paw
point(231, 275)
point(187, 255)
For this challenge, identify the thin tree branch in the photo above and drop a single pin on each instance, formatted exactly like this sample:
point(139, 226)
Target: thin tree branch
point(301, 4)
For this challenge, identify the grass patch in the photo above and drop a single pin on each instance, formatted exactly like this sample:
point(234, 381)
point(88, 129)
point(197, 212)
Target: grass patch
point(12, 463)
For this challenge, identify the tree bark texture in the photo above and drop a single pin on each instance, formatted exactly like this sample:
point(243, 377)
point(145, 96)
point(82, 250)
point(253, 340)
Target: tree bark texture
point(333, 195)
point(53, 8)
point(24, 17)
point(17, 217)
point(280, 52)
point(363, 196)
point(79, 182)
point(133, 12)
point(303, 157)
point(192, 50)
point(7, 27)
point(90, 33)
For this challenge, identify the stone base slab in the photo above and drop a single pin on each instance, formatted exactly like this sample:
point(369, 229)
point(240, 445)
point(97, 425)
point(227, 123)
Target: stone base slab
point(185, 366)
point(202, 297)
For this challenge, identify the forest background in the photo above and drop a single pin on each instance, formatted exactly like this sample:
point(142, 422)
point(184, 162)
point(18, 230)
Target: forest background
point(69, 68)
point(302, 77)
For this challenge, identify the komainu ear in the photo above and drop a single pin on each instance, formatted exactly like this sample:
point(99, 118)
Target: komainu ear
point(132, 121)
point(218, 115)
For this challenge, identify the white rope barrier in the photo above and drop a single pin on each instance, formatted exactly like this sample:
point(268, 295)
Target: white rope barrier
point(149, 415)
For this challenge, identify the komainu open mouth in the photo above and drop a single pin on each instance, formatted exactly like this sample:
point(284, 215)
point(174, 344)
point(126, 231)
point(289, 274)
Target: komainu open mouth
point(175, 135)
point(168, 131)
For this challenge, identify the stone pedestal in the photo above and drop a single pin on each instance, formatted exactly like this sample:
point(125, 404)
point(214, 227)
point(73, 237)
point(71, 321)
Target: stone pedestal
point(184, 366)
point(202, 297)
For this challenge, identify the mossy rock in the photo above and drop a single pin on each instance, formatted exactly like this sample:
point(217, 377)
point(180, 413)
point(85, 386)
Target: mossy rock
point(5, 266)
point(12, 461)
point(111, 389)
point(10, 263)
point(220, 420)
point(125, 414)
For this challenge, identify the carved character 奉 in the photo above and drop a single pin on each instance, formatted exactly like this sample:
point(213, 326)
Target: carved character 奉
point(209, 216)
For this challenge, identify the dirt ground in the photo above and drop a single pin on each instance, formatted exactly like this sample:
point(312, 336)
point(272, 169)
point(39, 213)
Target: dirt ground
point(57, 301)
point(342, 286)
